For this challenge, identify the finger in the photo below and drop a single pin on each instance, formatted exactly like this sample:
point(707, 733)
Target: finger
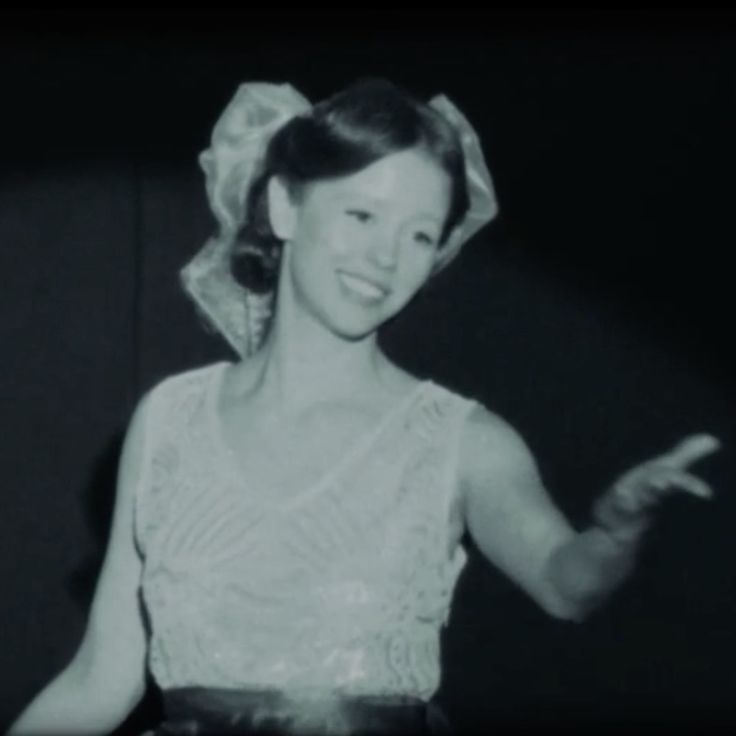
point(645, 490)
point(630, 531)
point(667, 481)
point(691, 450)
point(688, 483)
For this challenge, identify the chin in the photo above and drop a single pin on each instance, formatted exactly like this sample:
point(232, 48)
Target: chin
point(356, 325)
point(355, 332)
point(354, 321)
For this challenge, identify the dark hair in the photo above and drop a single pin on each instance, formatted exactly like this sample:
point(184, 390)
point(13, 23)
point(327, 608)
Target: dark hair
point(340, 136)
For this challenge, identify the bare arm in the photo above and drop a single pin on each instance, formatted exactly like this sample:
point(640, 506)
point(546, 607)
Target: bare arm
point(105, 679)
point(508, 512)
point(517, 526)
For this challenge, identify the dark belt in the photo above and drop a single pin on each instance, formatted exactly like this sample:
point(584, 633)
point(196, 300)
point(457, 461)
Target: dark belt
point(200, 711)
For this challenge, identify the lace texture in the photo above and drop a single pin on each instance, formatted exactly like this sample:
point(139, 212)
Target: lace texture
point(341, 589)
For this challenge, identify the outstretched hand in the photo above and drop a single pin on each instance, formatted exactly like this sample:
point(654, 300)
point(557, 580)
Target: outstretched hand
point(625, 510)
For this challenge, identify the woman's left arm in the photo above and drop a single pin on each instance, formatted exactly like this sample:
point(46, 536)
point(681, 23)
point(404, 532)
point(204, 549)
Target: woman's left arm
point(518, 528)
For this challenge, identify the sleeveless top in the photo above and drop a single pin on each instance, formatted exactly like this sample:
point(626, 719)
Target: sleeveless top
point(343, 588)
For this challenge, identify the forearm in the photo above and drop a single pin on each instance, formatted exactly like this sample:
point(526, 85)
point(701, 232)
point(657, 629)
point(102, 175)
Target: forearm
point(73, 703)
point(584, 571)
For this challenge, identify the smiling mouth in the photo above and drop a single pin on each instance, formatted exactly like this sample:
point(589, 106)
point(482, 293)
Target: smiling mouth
point(362, 286)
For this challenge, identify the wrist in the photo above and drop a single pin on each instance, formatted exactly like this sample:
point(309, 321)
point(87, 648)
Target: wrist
point(620, 540)
point(624, 527)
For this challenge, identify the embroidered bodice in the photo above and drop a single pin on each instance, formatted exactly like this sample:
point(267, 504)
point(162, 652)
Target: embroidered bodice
point(342, 588)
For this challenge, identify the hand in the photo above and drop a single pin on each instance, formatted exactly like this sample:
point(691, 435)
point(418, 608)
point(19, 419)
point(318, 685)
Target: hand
point(624, 512)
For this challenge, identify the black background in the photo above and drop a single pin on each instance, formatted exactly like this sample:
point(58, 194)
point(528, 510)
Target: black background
point(594, 314)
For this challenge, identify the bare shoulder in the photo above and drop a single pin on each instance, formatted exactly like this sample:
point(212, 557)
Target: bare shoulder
point(146, 418)
point(492, 451)
point(133, 450)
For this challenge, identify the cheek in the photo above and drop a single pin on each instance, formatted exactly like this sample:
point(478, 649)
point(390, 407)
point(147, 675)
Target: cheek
point(309, 246)
point(341, 240)
point(417, 265)
point(321, 236)
point(412, 279)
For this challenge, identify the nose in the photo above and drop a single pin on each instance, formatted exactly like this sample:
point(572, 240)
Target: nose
point(385, 249)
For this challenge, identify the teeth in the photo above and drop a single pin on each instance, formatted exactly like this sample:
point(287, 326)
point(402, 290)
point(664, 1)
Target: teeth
point(361, 286)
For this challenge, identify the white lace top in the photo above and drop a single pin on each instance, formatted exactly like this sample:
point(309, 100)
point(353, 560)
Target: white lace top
point(343, 588)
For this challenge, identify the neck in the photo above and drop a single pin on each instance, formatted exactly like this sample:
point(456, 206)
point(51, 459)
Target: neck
point(302, 362)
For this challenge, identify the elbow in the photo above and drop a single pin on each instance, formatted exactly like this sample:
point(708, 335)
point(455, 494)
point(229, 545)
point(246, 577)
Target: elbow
point(115, 692)
point(572, 603)
point(112, 691)
point(77, 701)
point(576, 612)
point(117, 696)
point(567, 609)
point(577, 582)
point(114, 672)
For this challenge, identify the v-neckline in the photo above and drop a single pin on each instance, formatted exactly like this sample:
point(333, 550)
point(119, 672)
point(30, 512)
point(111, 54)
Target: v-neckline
point(358, 448)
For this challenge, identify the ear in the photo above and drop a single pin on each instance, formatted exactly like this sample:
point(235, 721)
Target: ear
point(282, 211)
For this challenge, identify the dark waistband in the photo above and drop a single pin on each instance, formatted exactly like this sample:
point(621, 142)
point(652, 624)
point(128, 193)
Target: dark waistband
point(195, 711)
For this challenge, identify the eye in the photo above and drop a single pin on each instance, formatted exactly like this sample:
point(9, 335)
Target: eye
point(360, 215)
point(424, 238)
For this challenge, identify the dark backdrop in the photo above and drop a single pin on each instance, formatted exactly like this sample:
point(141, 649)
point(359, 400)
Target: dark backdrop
point(595, 314)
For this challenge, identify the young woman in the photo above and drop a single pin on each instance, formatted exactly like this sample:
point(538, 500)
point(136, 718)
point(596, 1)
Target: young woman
point(292, 521)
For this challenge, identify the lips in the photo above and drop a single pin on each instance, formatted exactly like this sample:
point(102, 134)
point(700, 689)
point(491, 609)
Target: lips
point(363, 286)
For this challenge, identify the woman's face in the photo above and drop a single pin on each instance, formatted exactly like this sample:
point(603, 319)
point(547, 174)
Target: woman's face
point(359, 247)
